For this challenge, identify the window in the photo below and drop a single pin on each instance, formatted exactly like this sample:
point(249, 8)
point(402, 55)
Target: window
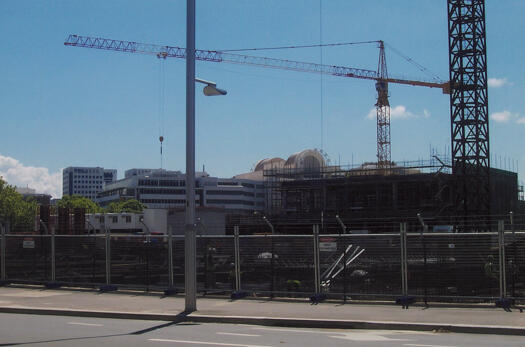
point(114, 219)
point(127, 219)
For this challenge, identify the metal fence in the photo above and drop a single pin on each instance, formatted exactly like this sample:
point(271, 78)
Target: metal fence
point(426, 265)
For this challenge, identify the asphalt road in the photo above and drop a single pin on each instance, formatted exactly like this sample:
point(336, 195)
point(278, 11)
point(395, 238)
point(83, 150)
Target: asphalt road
point(20, 330)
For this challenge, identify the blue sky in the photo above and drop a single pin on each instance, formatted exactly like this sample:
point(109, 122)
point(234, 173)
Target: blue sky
point(63, 106)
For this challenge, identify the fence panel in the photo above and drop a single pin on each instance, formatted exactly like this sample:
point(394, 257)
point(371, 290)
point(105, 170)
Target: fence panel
point(178, 262)
point(80, 259)
point(139, 260)
point(375, 270)
point(463, 265)
point(515, 264)
point(28, 258)
point(290, 271)
point(215, 263)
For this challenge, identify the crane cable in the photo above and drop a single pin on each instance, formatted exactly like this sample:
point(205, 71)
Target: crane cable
point(420, 67)
point(298, 46)
point(321, 62)
point(161, 106)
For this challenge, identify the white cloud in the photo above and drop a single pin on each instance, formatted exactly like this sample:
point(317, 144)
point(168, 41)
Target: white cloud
point(497, 82)
point(507, 116)
point(502, 117)
point(38, 178)
point(399, 112)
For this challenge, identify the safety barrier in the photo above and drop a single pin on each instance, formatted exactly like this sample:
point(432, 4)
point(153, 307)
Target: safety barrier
point(407, 266)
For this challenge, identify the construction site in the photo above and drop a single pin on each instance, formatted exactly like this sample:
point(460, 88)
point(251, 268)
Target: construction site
point(461, 189)
point(448, 228)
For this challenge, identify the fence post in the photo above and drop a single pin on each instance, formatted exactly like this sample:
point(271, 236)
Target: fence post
point(237, 258)
point(3, 250)
point(514, 250)
point(345, 286)
point(108, 257)
point(316, 259)
point(170, 257)
point(403, 245)
point(53, 256)
point(423, 232)
point(501, 243)
point(272, 264)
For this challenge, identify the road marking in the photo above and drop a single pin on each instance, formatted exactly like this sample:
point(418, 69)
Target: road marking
point(418, 345)
point(368, 336)
point(86, 324)
point(235, 334)
point(296, 331)
point(206, 343)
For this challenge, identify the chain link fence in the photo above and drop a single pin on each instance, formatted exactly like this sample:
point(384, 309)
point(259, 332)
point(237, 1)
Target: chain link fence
point(437, 266)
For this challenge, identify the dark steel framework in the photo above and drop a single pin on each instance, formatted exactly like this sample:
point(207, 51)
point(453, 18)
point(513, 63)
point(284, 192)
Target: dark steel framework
point(469, 106)
point(383, 112)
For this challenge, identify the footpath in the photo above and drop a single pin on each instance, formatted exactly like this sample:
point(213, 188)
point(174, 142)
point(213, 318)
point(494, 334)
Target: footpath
point(260, 311)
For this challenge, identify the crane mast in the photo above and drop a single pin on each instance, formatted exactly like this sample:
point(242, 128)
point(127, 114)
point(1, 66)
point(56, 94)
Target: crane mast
point(380, 76)
point(383, 112)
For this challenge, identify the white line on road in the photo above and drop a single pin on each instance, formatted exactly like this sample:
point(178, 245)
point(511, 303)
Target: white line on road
point(86, 324)
point(418, 345)
point(206, 343)
point(235, 334)
point(295, 330)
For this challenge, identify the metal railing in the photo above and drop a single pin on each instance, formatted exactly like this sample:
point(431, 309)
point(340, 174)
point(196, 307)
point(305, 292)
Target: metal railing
point(452, 267)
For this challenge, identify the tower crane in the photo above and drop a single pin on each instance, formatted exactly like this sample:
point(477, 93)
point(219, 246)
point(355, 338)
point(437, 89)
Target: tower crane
point(380, 76)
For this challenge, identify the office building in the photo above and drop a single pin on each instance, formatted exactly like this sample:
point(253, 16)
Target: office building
point(158, 188)
point(86, 181)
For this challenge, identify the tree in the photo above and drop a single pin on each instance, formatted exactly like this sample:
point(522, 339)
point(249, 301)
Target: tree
point(78, 201)
point(14, 209)
point(130, 206)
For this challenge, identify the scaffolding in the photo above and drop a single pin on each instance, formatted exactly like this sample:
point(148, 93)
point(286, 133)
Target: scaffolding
point(371, 199)
point(359, 192)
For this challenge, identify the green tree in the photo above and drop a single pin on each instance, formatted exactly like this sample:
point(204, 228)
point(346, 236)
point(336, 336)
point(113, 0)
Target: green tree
point(130, 206)
point(78, 201)
point(15, 210)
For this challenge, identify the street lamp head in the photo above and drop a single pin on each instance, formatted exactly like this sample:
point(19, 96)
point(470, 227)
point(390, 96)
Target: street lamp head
point(211, 90)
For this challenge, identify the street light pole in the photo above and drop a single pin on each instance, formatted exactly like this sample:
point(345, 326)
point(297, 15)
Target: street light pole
point(190, 249)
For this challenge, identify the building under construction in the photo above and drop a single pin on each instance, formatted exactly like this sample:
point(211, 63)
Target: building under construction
point(302, 191)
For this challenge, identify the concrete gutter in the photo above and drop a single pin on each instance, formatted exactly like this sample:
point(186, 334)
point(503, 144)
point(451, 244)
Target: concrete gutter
point(280, 321)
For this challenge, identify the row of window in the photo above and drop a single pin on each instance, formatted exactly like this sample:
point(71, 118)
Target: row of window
point(84, 193)
point(86, 170)
point(228, 192)
point(163, 201)
point(86, 187)
point(114, 219)
point(229, 202)
point(88, 176)
point(208, 192)
point(162, 183)
point(162, 191)
point(86, 181)
point(247, 185)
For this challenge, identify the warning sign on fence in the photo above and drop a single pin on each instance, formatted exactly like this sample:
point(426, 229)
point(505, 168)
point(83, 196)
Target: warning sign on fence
point(327, 244)
point(28, 242)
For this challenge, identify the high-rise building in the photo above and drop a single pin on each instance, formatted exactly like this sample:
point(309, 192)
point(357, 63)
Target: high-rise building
point(86, 181)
